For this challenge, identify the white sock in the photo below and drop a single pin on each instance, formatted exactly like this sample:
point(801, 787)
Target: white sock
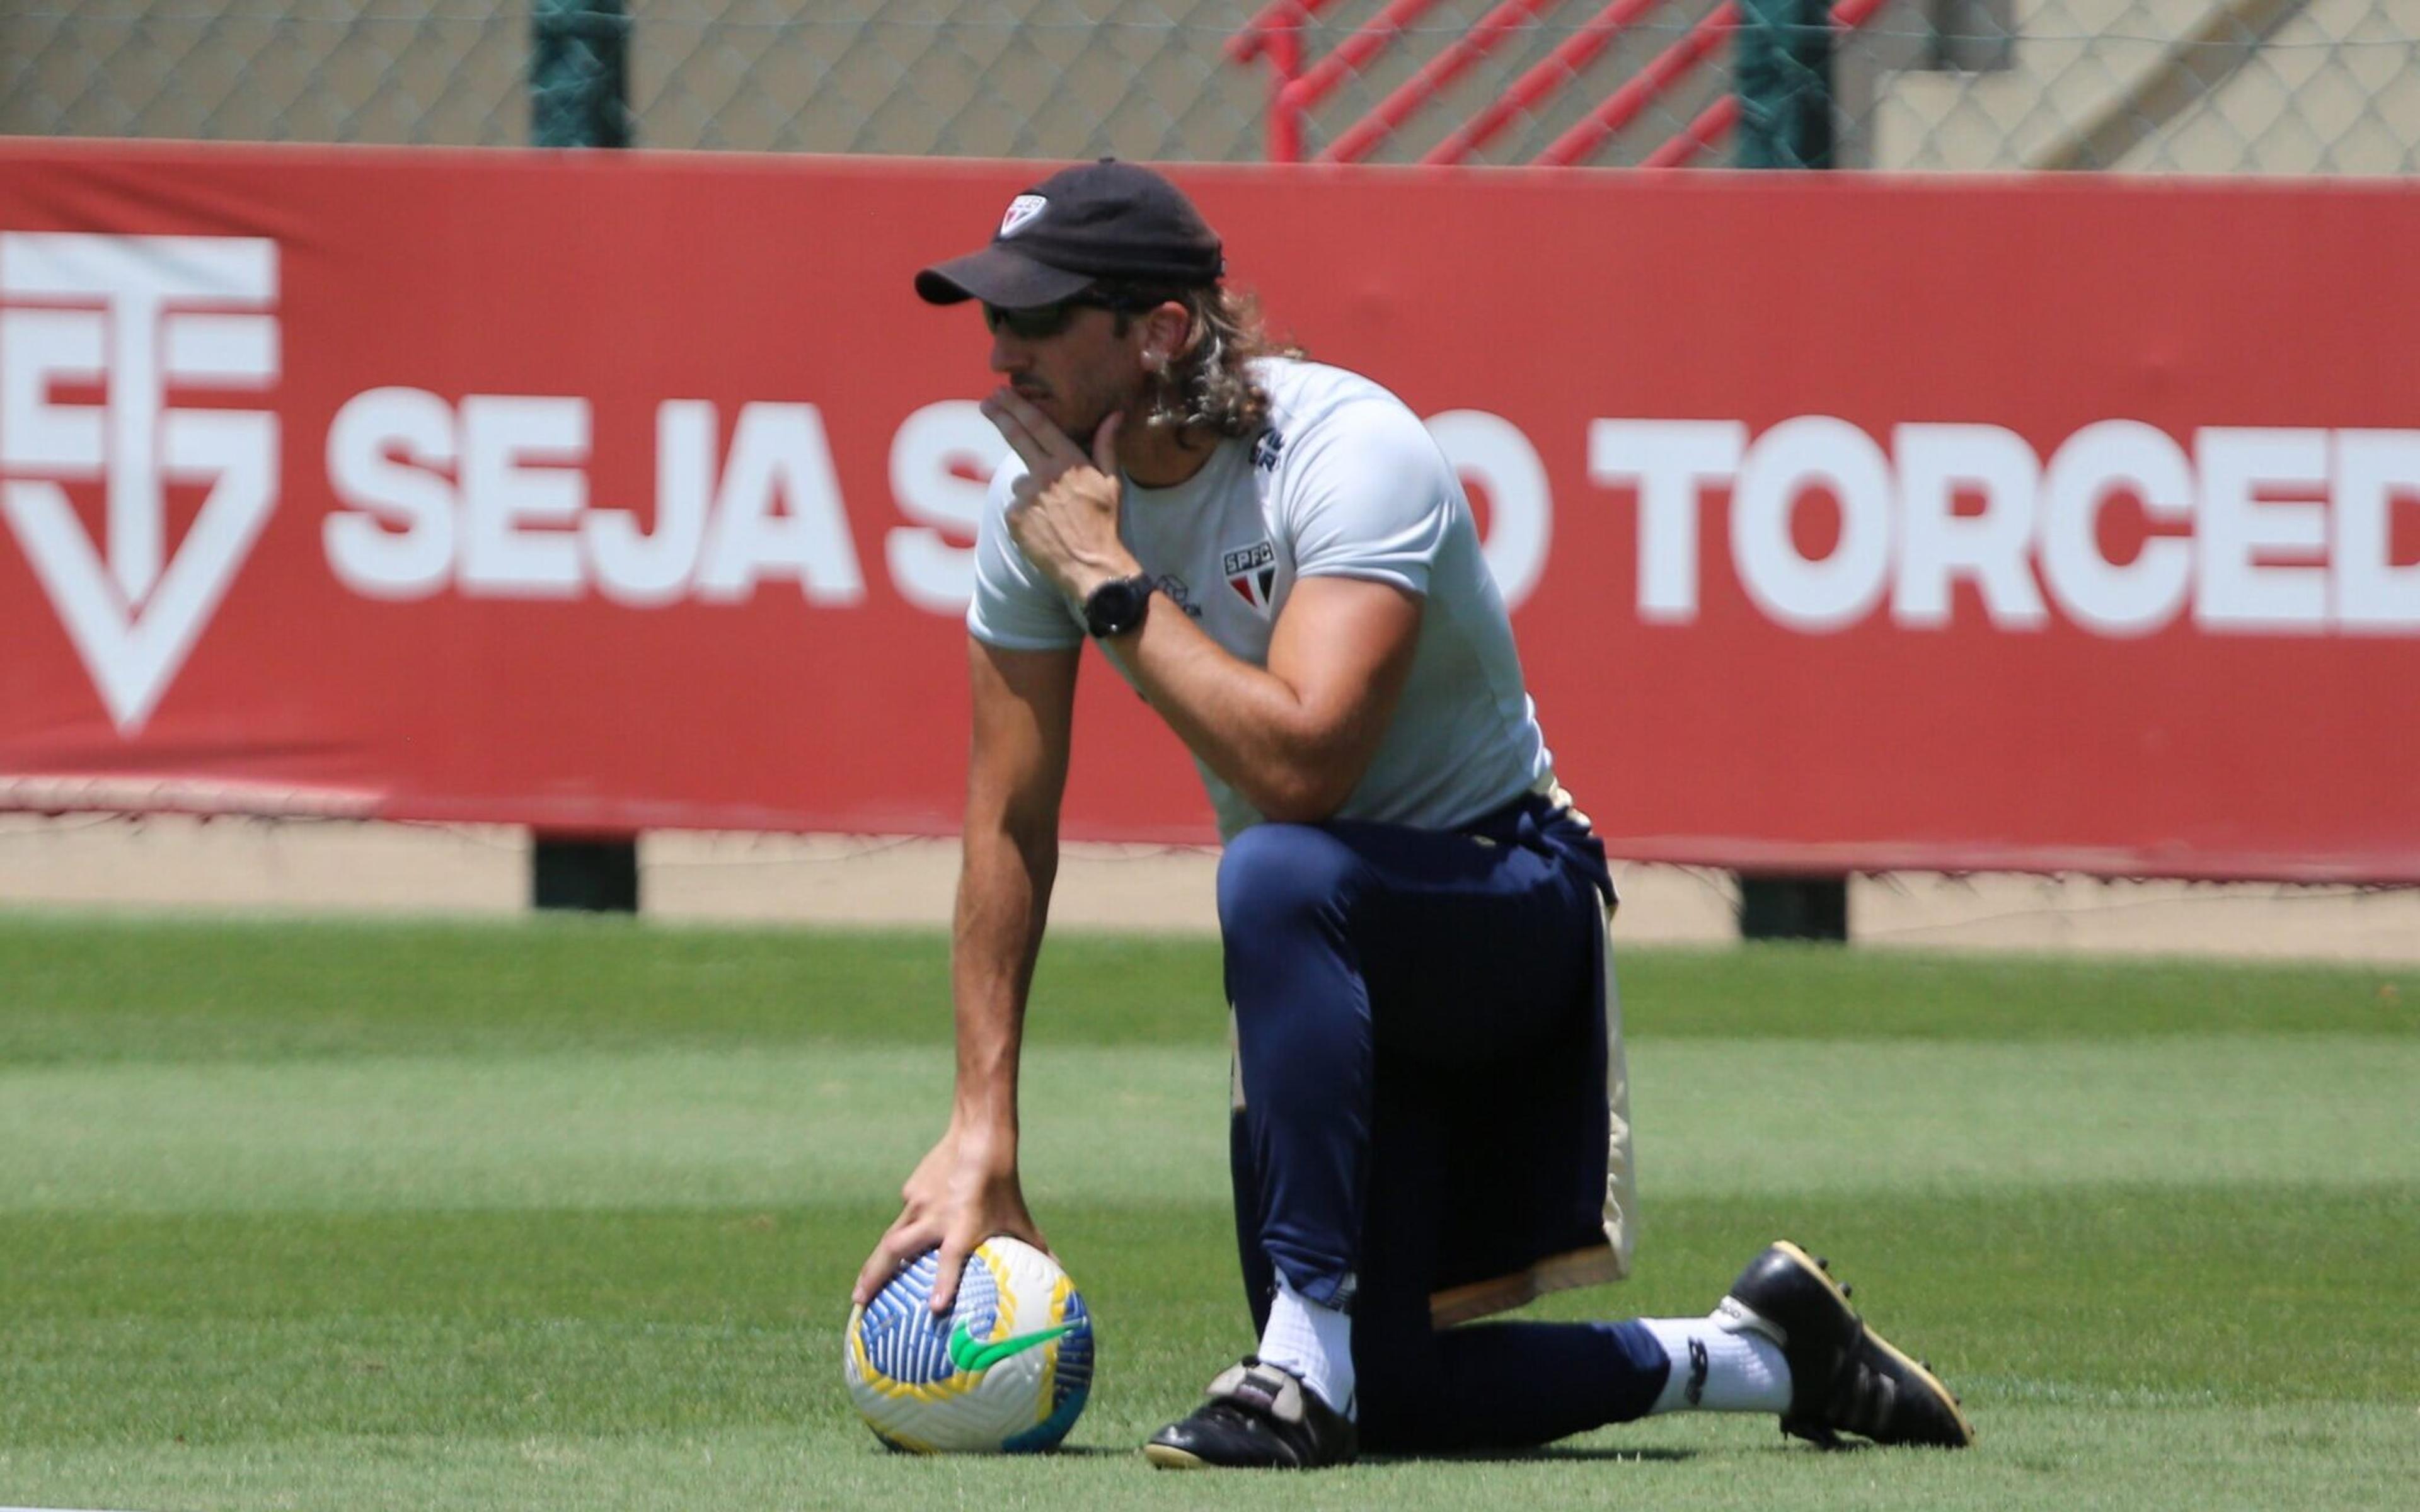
point(1715, 1370)
point(1314, 1342)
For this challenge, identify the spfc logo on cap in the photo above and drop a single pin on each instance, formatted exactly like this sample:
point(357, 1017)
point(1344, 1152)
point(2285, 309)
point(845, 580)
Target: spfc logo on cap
point(1252, 573)
point(1021, 211)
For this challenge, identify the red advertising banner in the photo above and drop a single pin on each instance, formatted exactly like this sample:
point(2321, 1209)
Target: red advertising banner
point(1850, 523)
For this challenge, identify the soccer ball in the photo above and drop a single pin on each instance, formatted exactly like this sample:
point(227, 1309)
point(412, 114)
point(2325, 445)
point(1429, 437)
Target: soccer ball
point(1006, 1373)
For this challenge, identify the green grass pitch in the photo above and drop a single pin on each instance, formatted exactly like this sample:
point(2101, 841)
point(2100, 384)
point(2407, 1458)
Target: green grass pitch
point(562, 1216)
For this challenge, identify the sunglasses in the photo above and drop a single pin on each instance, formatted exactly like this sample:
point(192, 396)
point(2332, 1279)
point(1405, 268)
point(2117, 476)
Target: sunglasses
point(1041, 322)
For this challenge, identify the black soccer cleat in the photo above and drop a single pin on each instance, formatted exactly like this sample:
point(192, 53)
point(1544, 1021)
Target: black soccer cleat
point(1843, 1375)
point(1259, 1417)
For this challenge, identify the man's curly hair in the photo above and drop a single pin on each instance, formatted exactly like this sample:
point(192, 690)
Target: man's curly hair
point(1207, 383)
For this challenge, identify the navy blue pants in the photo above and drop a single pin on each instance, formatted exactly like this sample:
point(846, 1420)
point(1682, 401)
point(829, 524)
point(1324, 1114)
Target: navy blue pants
point(1416, 1016)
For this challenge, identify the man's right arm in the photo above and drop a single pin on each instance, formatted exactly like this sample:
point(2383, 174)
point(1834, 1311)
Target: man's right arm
point(966, 1189)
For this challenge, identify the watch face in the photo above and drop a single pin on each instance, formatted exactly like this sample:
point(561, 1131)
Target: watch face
point(1117, 606)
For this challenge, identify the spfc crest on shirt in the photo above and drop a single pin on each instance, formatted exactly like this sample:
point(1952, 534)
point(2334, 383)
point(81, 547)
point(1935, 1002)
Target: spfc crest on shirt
point(1253, 572)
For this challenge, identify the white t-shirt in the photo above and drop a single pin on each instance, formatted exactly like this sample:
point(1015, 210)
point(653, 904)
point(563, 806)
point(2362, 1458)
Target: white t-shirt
point(1345, 482)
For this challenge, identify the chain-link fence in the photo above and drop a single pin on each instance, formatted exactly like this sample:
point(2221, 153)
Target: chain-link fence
point(2298, 86)
point(266, 70)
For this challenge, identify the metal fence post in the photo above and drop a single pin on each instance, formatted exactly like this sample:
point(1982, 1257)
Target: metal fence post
point(579, 74)
point(1782, 70)
point(579, 96)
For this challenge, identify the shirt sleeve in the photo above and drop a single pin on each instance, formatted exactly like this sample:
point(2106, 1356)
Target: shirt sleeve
point(1013, 605)
point(1368, 495)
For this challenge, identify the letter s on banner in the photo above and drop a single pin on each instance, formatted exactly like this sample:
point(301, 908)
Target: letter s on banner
point(929, 569)
point(399, 543)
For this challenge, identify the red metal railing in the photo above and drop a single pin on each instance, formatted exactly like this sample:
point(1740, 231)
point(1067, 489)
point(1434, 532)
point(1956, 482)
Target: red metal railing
point(1663, 71)
point(1276, 33)
point(1713, 125)
point(1551, 74)
point(1270, 19)
point(1432, 79)
point(1366, 42)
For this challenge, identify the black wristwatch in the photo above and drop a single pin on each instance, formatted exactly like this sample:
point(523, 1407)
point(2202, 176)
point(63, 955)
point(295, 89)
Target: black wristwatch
point(1117, 605)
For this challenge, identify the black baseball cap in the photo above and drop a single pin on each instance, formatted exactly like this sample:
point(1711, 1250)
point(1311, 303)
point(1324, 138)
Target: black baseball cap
point(1097, 219)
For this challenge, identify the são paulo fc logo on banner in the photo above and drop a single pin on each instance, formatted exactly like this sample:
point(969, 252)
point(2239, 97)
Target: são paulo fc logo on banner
point(1251, 571)
point(97, 334)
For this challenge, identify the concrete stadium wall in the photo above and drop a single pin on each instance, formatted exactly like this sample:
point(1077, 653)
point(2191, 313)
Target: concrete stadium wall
point(2203, 87)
